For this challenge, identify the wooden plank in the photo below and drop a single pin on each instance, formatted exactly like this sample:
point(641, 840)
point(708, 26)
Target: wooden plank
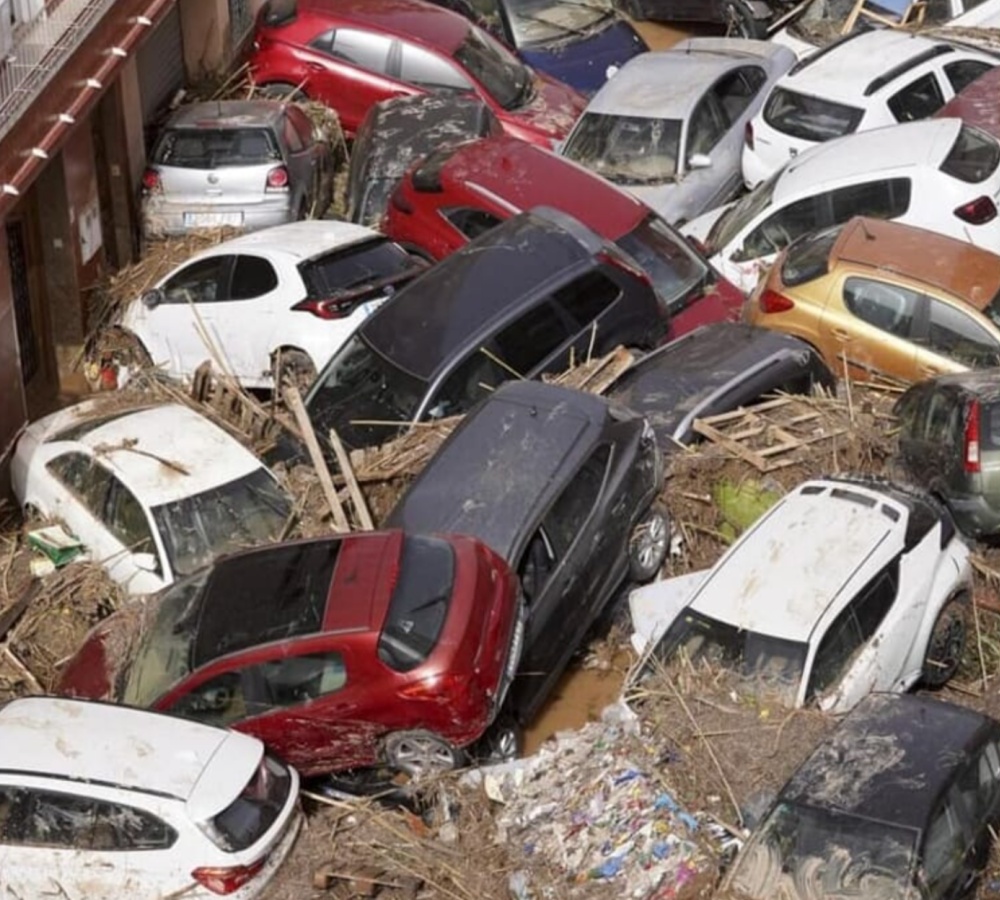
point(746, 411)
point(10, 616)
point(717, 437)
point(357, 498)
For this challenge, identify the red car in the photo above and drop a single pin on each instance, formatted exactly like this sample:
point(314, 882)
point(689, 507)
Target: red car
point(352, 53)
point(341, 652)
point(978, 103)
point(457, 193)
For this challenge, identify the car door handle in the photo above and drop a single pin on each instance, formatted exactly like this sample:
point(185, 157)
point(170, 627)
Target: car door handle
point(930, 370)
point(841, 335)
point(315, 67)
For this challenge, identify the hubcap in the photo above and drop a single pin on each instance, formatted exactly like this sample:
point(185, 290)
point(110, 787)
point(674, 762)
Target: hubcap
point(422, 755)
point(652, 542)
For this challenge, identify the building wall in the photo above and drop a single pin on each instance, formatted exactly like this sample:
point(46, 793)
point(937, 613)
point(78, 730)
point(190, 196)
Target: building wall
point(13, 410)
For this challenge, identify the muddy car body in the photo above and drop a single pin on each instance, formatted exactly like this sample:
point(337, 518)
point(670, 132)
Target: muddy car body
point(712, 370)
point(337, 653)
point(844, 587)
point(745, 18)
point(899, 802)
point(561, 485)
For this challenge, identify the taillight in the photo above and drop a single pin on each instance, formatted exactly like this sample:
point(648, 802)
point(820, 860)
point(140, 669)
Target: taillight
point(436, 688)
point(226, 879)
point(326, 309)
point(277, 179)
point(748, 135)
point(151, 181)
point(773, 302)
point(972, 438)
point(978, 211)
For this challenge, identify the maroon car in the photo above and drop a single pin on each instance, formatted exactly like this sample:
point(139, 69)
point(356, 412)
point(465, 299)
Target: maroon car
point(338, 653)
point(352, 53)
point(978, 103)
point(457, 193)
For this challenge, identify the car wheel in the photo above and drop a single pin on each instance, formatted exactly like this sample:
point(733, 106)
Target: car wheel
point(647, 548)
point(293, 366)
point(280, 90)
point(503, 741)
point(420, 753)
point(739, 22)
point(32, 514)
point(947, 643)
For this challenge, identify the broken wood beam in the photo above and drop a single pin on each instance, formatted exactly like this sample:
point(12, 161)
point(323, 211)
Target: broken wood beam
point(347, 470)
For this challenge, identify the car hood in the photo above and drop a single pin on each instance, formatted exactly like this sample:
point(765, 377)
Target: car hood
point(553, 110)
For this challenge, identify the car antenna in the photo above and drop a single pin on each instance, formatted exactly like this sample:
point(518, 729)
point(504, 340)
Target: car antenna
point(864, 229)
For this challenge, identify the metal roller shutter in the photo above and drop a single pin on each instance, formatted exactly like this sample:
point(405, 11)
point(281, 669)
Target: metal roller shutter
point(161, 65)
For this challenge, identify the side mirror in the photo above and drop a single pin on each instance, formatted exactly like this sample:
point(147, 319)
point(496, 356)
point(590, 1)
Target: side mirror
point(152, 299)
point(145, 562)
point(699, 161)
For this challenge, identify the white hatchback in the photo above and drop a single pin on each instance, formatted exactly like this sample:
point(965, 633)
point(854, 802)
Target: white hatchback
point(105, 802)
point(153, 494)
point(845, 586)
point(277, 301)
point(936, 174)
point(872, 79)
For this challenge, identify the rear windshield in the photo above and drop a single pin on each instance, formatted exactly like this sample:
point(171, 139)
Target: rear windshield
point(499, 72)
point(667, 258)
point(354, 267)
point(419, 604)
point(809, 118)
point(211, 148)
point(247, 819)
point(973, 157)
point(809, 257)
point(626, 149)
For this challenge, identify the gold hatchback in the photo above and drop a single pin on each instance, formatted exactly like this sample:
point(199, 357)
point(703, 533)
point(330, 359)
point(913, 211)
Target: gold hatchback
point(874, 296)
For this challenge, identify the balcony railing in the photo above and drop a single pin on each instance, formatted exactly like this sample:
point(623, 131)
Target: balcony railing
point(36, 50)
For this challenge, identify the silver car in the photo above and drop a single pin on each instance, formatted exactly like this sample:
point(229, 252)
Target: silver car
point(669, 125)
point(245, 163)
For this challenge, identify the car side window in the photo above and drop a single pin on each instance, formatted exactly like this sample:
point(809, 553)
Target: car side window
point(291, 137)
point(978, 782)
point(360, 48)
point(472, 380)
point(537, 566)
point(953, 333)
point(918, 100)
point(708, 124)
point(218, 701)
point(203, 281)
point(736, 90)
point(588, 296)
point(13, 802)
point(963, 72)
point(885, 199)
point(421, 67)
point(253, 276)
point(573, 506)
point(782, 227)
point(944, 850)
point(888, 307)
point(88, 480)
point(524, 344)
point(471, 222)
point(127, 520)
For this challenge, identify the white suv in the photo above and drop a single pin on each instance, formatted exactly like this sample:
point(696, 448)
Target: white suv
point(106, 802)
point(871, 79)
point(843, 587)
point(936, 174)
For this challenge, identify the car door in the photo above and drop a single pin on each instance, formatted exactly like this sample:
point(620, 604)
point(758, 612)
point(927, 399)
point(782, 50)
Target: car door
point(427, 70)
point(943, 871)
point(301, 159)
point(978, 803)
point(707, 176)
point(949, 339)
point(961, 73)
point(919, 99)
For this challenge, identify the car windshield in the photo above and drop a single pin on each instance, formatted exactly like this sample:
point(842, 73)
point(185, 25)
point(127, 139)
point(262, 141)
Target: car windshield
point(500, 74)
point(626, 149)
point(667, 258)
point(212, 148)
point(535, 22)
point(810, 118)
point(775, 664)
point(741, 214)
point(163, 656)
point(241, 513)
point(801, 852)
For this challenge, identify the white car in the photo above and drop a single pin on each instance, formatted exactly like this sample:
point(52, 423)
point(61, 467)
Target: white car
point(936, 174)
point(283, 298)
point(872, 79)
point(669, 126)
point(843, 587)
point(105, 802)
point(153, 494)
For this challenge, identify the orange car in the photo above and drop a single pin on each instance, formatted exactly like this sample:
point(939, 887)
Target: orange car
point(877, 296)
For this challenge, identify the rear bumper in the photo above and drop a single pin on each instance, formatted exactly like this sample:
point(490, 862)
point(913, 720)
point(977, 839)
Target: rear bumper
point(755, 170)
point(168, 219)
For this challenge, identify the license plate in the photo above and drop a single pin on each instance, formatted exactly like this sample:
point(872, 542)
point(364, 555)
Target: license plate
point(212, 219)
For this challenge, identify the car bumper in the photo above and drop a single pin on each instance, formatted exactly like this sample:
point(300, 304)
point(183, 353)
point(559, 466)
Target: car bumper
point(165, 220)
point(974, 515)
point(755, 170)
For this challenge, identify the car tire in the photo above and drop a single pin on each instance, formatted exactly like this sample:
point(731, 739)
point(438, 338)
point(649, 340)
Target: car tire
point(740, 23)
point(280, 90)
point(420, 753)
point(503, 741)
point(947, 643)
point(295, 366)
point(648, 545)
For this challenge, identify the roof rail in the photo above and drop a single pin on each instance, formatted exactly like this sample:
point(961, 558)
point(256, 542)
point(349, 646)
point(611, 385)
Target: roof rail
point(904, 67)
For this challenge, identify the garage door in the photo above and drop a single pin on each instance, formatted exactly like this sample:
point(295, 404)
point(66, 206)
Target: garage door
point(161, 65)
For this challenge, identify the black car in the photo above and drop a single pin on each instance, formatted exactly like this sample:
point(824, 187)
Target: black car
point(562, 485)
point(712, 370)
point(396, 133)
point(742, 18)
point(527, 297)
point(899, 802)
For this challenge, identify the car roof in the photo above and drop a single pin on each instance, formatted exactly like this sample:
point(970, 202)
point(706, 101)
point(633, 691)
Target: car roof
point(957, 267)
point(867, 153)
point(412, 20)
point(478, 484)
point(162, 453)
point(523, 175)
point(110, 744)
point(820, 519)
point(668, 83)
point(226, 114)
point(978, 104)
point(983, 383)
point(889, 759)
point(295, 240)
point(422, 326)
point(846, 71)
